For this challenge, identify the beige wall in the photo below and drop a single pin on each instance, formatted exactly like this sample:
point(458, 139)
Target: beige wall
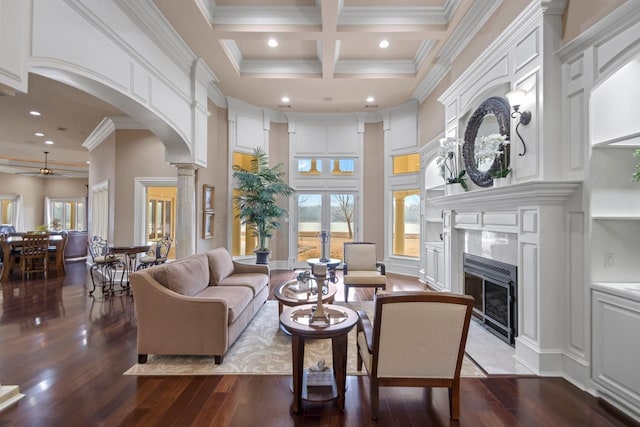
point(101, 169)
point(138, 153)
point(215, 174)
point(279, 153)
point(373, 186)
point(579, 15)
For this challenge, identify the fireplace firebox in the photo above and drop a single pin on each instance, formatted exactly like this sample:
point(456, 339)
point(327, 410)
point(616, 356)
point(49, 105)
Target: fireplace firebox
point(493, 284)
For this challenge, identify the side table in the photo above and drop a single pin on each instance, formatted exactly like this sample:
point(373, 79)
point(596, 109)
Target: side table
point(288, 294)
point(341, 321)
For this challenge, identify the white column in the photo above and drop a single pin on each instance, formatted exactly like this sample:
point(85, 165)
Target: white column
point(186, 211)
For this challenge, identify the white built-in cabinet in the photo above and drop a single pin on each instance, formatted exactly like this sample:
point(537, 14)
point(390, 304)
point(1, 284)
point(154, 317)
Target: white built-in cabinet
point(616, 342)
point(615, 232)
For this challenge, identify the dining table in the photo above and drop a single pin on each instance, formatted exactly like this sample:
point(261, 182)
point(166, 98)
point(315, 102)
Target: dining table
point(130, 257)
point(12, 244)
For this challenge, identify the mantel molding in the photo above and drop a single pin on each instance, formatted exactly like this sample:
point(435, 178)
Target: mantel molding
point(513, 196)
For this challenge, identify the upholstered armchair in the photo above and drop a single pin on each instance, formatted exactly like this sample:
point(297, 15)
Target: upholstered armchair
point(361, 268)
point(417, 339)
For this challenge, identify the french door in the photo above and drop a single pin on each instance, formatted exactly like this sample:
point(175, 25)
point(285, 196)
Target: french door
point(318, 212)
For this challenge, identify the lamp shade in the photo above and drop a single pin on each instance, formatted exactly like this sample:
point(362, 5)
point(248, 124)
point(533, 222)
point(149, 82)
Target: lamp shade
point(516, 97)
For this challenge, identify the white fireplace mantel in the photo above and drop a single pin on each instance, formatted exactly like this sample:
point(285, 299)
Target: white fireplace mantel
point(537, 215)
point(533, 193)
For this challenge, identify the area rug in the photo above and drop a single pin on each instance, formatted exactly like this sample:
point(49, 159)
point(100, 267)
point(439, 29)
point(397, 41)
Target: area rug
point(263, 349)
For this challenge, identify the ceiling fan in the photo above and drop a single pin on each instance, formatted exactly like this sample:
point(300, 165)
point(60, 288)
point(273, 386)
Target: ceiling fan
point(44, 171)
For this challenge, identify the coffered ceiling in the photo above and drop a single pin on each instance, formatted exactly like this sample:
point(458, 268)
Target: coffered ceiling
point(328, 57)
point(327, 60)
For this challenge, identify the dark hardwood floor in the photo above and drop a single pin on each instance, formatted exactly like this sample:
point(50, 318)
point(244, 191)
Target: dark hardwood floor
point(67, 351)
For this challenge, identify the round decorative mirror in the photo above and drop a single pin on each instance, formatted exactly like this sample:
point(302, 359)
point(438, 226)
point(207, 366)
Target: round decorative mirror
point(491, 117)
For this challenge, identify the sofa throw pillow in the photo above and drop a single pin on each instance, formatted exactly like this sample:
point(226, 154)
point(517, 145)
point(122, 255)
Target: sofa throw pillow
point(220, 265)
point(187, 276)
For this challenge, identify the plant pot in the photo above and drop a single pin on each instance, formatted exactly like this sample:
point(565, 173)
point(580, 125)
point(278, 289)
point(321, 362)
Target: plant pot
point(262, 257)
point(454, 188)
point(501, 182)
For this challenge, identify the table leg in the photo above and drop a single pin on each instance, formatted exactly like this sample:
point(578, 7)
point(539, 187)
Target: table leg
point(297, 354)
point(60, 260)
point(6, 261)
point(339, 350)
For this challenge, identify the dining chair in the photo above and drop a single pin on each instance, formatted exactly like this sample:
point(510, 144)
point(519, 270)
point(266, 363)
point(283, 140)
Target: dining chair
point(157, 254)
point(104, 263)
point(34, 255)
point(361, 268)
point(55, 247)
point(417, 339)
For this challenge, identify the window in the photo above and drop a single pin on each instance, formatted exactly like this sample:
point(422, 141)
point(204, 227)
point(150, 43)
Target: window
point(343, 166)
point(309, 166)
point(243, 240)
point(66, 214)
point(407, 163)
point(7, 210)
point(406, 223)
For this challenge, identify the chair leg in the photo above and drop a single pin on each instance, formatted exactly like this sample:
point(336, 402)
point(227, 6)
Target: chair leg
point(359, 359)
point(346, 293)
point(454, 400)
point(373, 395)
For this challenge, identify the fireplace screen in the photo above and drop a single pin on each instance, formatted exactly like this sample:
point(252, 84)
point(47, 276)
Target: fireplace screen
point(493, 285)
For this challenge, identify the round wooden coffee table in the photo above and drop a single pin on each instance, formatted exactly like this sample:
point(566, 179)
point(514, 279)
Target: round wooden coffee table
point(291, 295)
point(341, 321)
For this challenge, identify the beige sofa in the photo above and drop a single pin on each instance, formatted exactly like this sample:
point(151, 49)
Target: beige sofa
point(198, 305)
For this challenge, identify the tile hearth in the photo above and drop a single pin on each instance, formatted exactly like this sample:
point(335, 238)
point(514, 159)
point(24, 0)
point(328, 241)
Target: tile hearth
point(492, 354)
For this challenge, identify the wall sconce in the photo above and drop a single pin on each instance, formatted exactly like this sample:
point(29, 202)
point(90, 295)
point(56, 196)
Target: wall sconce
point(516, 98)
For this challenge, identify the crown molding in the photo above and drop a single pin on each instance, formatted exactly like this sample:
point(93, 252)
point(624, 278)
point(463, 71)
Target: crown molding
point(427, 15)
point(234, 55)
point(431, 80)
point(423, 51)
point(216, 95)
point(471, 23)
point(156, 26)
point(207, 8)
point(252, 15)
point(292, 66)
point(375, 67)
point(105, 128)
point(615, 22)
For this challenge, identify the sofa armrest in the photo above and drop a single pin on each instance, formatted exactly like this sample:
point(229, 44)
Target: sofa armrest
point(171, 323)
point(241, 268)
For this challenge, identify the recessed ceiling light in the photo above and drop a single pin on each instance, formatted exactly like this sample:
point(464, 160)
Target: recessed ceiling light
point(35, 113)
point(285, 99)
point(370, 99)
point(272, 43)
point(384, 44)
point(39, 134)
point(49, 142)
point(88, 162)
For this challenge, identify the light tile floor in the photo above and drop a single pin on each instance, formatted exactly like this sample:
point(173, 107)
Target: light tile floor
point(492, 354)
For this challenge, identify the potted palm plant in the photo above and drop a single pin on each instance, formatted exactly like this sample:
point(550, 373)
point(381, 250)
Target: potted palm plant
point(258, 187)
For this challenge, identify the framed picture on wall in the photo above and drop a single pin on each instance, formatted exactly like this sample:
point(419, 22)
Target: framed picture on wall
point(208, 196)
point(207, 225)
